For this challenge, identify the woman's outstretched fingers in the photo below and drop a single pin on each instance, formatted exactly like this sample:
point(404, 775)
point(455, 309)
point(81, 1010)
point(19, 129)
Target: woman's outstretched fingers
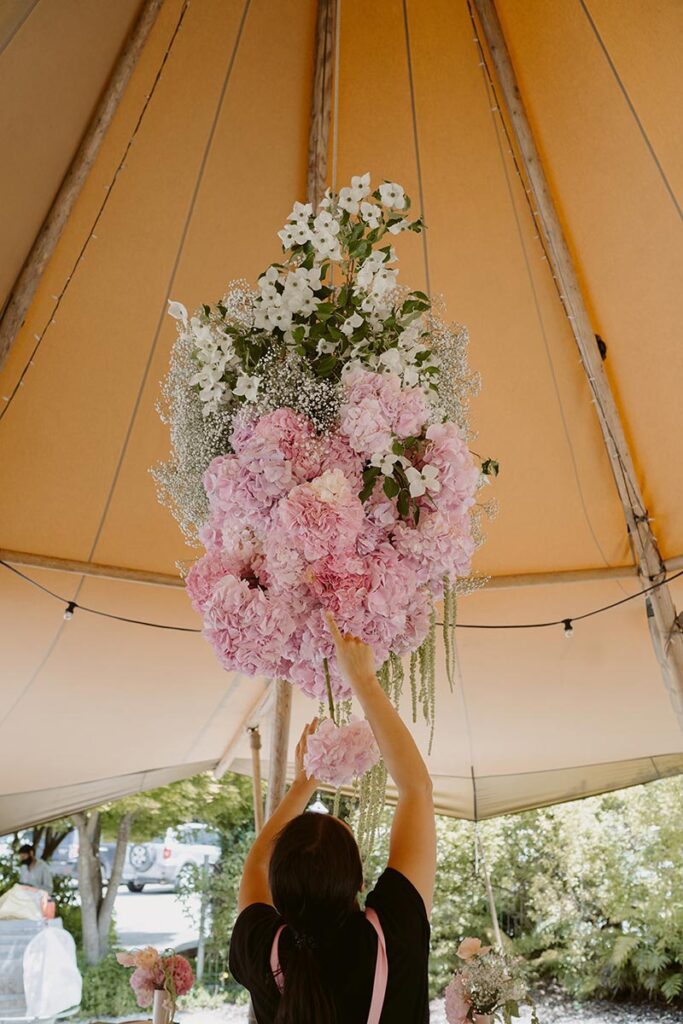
point(333, 627)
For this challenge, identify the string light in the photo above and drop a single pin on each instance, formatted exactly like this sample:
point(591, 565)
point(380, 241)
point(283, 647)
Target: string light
point(566, 623)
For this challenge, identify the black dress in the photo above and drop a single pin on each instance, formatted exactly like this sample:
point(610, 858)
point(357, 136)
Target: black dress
point(349, 966)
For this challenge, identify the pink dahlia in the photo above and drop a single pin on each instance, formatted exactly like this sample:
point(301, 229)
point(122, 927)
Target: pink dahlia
point(322, 517)
point(337, 755)
point(180, 968)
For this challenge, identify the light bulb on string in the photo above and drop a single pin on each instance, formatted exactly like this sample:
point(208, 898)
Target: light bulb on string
point(568, 628)
point(69, 612)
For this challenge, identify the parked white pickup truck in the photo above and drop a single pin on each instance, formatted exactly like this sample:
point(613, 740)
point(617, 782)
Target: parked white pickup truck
point(164, 860)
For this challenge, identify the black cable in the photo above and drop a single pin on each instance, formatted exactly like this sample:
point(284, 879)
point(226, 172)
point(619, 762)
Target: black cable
point(72, 606)
point(565, 621)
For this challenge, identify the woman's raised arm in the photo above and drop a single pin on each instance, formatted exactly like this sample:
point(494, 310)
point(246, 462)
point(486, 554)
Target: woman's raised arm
point(413, 834)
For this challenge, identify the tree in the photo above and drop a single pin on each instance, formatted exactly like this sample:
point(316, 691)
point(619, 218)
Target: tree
point(97, 904)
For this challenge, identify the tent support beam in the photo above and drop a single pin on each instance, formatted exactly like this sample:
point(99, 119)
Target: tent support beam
point(666, 625)
point(321, 100)
point(255, 744)
point(47, 238)
point(161, 579)
point(279, 741)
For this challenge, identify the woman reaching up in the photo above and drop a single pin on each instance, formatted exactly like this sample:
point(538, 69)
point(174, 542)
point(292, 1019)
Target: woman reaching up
point(301, 945)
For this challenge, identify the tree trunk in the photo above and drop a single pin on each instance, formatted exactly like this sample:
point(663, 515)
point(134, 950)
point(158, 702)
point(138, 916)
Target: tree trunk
point(52, 839)
point(107, 905)
point(97, 907)
point(89, 883)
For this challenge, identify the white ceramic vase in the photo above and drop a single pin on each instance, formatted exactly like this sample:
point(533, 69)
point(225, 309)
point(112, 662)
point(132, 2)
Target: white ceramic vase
point(162, 1008)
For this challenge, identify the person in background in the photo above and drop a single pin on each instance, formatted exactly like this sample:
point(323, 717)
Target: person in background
point(33, 871)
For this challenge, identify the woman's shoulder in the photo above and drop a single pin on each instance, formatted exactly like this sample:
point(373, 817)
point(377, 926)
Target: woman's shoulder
point(252, 937)
point(399, 906)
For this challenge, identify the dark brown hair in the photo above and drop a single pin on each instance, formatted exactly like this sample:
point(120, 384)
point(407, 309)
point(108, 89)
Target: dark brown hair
point(315, 877)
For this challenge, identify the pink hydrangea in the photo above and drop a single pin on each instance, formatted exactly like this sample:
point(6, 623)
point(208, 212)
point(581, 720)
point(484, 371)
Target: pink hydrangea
point(337, 755)
point(294, 436)
point(206, 573)
point(183, 978)
point(458, 472)
point(376, 407)
point(410, 412)
point(458, 1003)
point(322, 517)
point(437, 546)
point(235, 493)
point(143, 984)
point(247, 629)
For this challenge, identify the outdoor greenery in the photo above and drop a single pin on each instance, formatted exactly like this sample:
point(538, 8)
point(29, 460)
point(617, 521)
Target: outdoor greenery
point(590, 893)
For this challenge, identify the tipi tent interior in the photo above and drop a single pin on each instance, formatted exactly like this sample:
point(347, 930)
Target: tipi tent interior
point(206, 148)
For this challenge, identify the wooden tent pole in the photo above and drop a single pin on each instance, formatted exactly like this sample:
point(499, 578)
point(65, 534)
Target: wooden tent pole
point(646, 550)
point(160, 579)
point(279, 741)
point(46, 241)
point(321, 100)
point(321, 109)
point(255, 744)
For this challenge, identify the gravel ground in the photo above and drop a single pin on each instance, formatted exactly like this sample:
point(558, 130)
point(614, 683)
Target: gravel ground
point(552, 1009)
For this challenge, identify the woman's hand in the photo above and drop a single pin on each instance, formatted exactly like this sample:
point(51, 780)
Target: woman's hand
point(356, 659)
point(301, 747)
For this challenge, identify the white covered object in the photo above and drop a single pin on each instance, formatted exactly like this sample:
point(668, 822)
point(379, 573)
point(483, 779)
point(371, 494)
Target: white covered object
point(52, 981)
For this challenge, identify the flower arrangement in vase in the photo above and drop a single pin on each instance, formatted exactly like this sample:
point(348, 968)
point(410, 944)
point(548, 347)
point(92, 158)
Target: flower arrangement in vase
point(158, 980)
point(488, 987)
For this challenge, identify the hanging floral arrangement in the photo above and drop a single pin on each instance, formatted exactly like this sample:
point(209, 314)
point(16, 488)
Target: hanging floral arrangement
point(320, 454)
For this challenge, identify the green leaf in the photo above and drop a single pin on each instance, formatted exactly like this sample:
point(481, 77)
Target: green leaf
point(490, 467)
point(298, 334)
point(403, 503)
point(416, 514)
point(325, 366)
point(391, 487)
point(207, 309)
point(397, 447)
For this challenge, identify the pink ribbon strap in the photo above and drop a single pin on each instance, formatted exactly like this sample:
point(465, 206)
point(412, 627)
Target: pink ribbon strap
point(379, 986)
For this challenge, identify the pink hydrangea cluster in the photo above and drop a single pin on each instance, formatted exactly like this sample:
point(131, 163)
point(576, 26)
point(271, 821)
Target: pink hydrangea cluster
point(336, 754)
point(155, 972)
point(289, 539)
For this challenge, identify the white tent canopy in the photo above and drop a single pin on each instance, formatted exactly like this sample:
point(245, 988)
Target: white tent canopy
point(219, 111)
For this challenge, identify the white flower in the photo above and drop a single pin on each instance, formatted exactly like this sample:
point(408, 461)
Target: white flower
point(351, 324)
point(308, 304)
point(371, 214)
point(272, 275)
point(392, 359)
point(347, 201)
point(360, 185)
point(301, 212)
point(326, 222)
point(177, 311)
point(286, 236)
point(280, 317)
point(301, 233)
point(383, 281)
point(392, 196)
point(420, 482)
point(325, 348)
point(247, 387)
point(396, 228)
point(385, 461)
point(326, 245)
point(268, 291)
point(430, 475)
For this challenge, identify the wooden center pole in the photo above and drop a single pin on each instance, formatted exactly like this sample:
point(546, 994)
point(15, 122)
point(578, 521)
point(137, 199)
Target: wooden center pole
point(46, 241)
point(667, 630)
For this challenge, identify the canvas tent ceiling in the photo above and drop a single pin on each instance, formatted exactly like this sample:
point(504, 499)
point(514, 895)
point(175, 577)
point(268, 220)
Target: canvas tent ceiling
point(95, 707)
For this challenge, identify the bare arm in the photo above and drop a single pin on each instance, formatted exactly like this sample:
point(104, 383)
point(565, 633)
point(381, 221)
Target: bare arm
point(413, 836)
point(254, 887)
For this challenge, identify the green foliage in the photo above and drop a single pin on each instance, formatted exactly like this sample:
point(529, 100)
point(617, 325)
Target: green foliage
point(106, 990)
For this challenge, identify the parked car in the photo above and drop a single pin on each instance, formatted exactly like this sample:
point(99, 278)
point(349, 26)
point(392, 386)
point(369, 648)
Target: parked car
point(64, 861)
point(164, 860)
